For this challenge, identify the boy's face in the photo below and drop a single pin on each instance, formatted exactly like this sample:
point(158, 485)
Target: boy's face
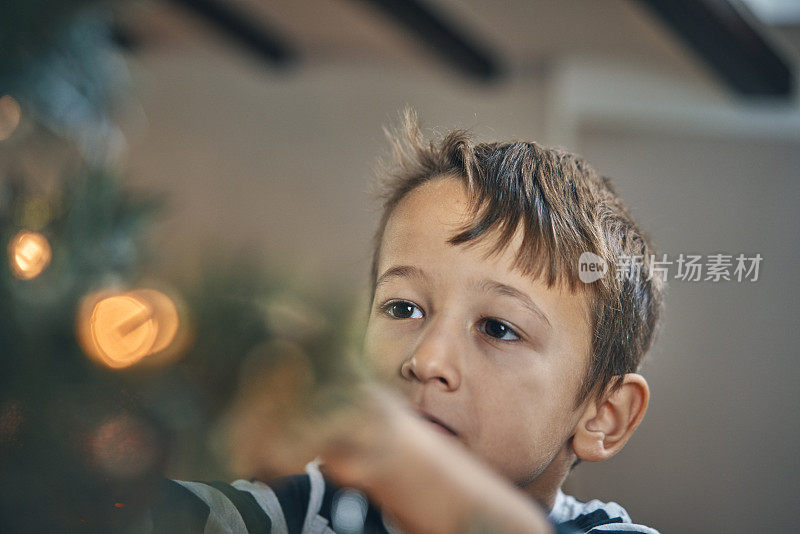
point(495, 357)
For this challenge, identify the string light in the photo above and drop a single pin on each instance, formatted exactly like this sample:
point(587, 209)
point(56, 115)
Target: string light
point(10, 114)
point(29, 254)
point(121, 329)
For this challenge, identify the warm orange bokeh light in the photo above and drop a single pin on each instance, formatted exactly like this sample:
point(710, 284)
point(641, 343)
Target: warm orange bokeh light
point(165, 313)
point(10, 114)
point(119, 330)
point(29, 254)
point(123, 330)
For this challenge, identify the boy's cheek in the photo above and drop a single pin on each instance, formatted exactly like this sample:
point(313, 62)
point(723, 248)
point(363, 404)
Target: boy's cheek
point(518, 451)
point(378, 353)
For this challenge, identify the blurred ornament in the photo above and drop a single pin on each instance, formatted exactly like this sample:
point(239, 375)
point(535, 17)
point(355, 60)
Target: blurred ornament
point(124, 446)
point(10, 114)
point(11, 419)
point(29, 254)
point(121, 329)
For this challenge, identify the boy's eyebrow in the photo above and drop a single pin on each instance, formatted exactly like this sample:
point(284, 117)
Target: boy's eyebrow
point(493, 286)
point(400, 271)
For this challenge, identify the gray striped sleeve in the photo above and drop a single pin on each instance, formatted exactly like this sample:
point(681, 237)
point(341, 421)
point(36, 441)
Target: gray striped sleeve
point(223, 517)
point(265, 498)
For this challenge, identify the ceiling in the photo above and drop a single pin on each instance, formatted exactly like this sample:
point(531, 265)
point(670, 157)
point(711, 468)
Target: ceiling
point(520, 37)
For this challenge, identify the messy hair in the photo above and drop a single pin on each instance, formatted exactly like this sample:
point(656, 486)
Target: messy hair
point(563, 208)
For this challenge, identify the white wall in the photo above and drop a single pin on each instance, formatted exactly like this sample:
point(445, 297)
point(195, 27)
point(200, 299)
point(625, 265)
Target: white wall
point(282, 165)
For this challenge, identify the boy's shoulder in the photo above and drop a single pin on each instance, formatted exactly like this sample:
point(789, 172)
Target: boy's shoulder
point(594, 516)
point(310, 504)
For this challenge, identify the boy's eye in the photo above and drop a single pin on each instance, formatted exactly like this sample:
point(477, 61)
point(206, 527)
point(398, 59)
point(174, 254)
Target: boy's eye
point(498, 330)
point(402, 309)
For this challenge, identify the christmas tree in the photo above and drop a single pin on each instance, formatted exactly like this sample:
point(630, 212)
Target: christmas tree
point(111, 377)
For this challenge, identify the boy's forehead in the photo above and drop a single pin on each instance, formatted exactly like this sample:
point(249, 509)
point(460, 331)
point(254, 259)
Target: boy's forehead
point(435, 207)
point(422, 224)
point(425, 220)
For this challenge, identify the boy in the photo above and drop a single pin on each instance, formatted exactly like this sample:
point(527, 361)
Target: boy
point(516, 369)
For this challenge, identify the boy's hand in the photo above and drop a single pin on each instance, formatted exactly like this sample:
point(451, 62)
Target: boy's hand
point(368, 438)
point(425, 480)
point(281, 418)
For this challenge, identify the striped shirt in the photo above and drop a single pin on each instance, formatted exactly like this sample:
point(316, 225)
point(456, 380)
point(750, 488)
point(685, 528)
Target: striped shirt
point(308, 504)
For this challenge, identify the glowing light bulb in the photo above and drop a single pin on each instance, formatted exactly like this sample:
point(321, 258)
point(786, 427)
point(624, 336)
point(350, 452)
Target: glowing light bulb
point(29, 253)
point(165, 314)
point(10, 114)
point(121, 329)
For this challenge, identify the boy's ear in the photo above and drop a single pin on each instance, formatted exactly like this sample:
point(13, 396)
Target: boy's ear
point(608, 421)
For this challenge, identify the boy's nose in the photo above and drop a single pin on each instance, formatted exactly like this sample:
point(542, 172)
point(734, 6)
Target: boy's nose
point(435, 360)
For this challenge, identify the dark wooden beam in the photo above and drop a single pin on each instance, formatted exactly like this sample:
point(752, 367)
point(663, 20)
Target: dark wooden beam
point(729, 44)
point(254, 35)
point(442, 36)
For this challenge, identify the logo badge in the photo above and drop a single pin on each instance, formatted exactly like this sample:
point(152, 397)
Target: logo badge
point(591, 267)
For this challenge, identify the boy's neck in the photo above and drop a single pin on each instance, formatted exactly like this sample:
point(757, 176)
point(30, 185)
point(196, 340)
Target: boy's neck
point(544, 488)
